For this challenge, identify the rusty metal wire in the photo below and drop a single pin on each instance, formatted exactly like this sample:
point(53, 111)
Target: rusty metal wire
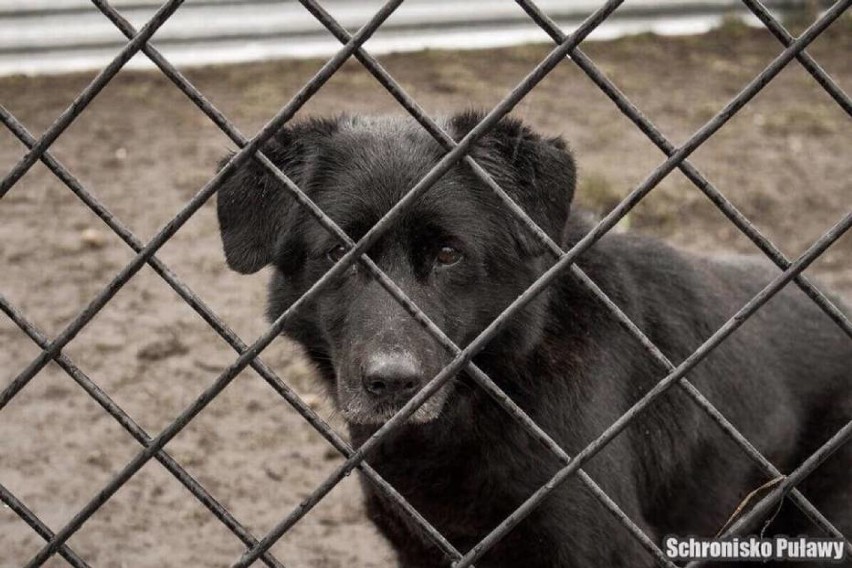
point(566, 47)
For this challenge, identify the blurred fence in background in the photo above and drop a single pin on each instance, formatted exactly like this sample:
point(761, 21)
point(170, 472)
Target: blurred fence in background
point(50, 36)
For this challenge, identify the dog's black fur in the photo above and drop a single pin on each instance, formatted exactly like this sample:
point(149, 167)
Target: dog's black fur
point(783, 378)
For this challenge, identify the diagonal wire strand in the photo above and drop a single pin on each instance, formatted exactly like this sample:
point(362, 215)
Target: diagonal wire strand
point(432, 386)
point(419, 114)
point(715, 196)
point(808, 62)
point(363, 258)
point(226, 333)
point(437, 171)
point(38, 526)
point(487, 383)
point(381, 75)
point(88, 94)
point(690, 362)
point(196, 97)
point(193, 300)
point(194, 204)
point(138, 433)
point(739, 220)
point(608, 503)
point(157, 443)
point(765, 506)
point(227, 376)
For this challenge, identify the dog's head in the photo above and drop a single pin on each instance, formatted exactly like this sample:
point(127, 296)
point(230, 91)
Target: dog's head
point(457, 252)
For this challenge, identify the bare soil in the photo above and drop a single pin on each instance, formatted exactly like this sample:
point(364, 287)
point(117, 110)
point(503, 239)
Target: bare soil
point(144, 150)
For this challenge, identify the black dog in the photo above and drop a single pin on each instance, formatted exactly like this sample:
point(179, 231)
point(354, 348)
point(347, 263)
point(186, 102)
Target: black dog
point(783, 379)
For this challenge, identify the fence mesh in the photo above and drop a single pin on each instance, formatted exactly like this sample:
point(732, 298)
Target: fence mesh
point(566, 47)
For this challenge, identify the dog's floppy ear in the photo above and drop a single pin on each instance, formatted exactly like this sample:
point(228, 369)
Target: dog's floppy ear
point(252, 202)
point(537, 172)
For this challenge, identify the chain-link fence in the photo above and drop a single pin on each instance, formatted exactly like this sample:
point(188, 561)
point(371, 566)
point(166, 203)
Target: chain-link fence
point(567, 47)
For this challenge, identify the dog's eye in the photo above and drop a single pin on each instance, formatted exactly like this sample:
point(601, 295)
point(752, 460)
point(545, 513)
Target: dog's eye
point(448, 256)
point(336, 253)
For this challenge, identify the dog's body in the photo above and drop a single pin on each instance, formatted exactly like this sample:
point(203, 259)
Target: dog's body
point(783, 379)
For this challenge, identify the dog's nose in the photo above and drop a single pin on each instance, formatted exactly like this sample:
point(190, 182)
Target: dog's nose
point(391, 374)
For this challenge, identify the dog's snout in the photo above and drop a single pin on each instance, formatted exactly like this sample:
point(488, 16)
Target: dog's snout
point(387, 375)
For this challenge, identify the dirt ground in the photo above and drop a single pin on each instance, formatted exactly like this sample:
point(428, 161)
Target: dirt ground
point(144, 149)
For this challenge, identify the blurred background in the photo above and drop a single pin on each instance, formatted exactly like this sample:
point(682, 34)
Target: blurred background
point(144, 149)
point(64, 35)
